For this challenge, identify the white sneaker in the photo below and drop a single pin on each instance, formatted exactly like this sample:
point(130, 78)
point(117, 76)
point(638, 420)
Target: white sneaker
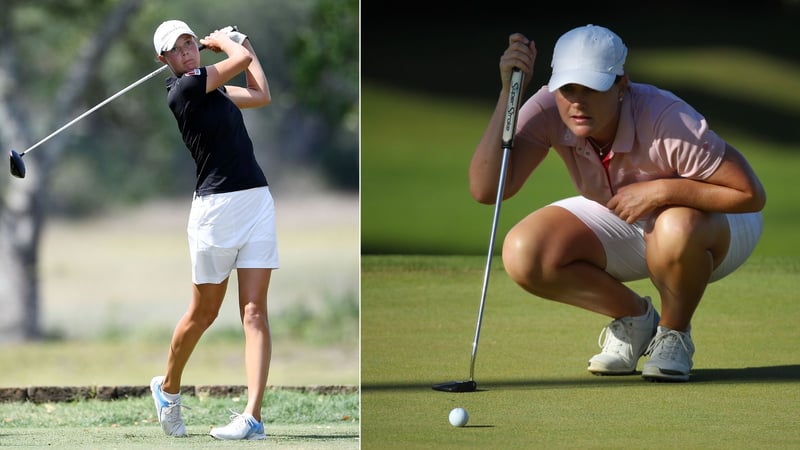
point(168, 412)
point(670, 356)
point(623, 342)
point(242, 427)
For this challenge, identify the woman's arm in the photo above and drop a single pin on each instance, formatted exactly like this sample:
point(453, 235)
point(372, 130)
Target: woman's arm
point(256, 93)
point(240, 58)
point(484, 169)
point(732, 188)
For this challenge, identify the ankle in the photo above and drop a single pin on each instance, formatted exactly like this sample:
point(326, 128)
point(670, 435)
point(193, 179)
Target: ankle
point(644, 309)
point(662, 327)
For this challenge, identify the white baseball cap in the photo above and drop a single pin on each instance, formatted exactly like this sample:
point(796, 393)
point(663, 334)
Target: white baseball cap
point(591, 56)
point(168, 32)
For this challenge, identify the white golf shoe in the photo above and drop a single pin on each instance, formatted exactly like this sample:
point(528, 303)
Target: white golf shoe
point(670, 356)
point(242, 427)
point(168, 412)
point(623, 342)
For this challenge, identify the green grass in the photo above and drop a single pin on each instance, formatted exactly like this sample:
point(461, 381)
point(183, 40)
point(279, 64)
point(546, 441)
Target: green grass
point(214, 361)
point(309, 348)
point(728, 72)
point(418, 320)
point(292, 419)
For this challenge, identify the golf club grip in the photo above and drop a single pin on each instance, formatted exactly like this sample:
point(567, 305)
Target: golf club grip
point(514, 94)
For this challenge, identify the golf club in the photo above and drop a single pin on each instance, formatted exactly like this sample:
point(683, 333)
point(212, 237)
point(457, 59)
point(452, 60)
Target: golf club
point(509, 127)
point(18, 165)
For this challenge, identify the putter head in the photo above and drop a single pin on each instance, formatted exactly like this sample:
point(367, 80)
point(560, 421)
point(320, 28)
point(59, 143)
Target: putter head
point(17, 165)
point(456, 386)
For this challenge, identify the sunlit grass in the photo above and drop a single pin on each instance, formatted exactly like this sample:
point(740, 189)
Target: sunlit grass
point(728, 72)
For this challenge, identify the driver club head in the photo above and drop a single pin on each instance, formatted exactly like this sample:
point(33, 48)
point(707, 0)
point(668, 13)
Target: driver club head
point(457, 386)
point(17, 165)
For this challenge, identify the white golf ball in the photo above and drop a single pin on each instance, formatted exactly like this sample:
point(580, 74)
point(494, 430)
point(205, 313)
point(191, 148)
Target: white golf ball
point(458, 417)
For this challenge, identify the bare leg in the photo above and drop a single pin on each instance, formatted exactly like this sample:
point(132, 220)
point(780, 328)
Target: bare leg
point(684, 246)
point(554, 255)
point(206, 302)
point(253, 286)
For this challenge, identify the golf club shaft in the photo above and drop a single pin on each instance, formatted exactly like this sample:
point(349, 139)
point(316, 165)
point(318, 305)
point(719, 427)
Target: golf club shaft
point(495, 220)
point(509, 127)
point(98, 106)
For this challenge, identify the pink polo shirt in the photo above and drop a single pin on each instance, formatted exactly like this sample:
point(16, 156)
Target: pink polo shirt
point(659, 136)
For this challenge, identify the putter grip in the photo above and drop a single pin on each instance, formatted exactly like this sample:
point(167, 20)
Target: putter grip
point(514, 94)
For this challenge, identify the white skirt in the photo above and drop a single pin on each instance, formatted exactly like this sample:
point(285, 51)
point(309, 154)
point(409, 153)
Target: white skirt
point(625, 247)
point(233, 230)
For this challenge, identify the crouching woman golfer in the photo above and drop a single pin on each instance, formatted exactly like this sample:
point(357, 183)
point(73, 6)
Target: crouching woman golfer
point(661, 196)
point(231, 224)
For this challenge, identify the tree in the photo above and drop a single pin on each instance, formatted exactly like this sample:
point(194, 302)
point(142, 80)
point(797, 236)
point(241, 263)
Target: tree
point(22, 216)
point(325, 75)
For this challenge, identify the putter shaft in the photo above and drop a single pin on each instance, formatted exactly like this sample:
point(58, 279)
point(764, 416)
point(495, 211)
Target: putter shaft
point(509, 128)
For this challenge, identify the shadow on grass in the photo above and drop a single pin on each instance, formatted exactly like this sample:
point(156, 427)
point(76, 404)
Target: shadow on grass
point(768, 374)
point(748, 374)
point(307, 437)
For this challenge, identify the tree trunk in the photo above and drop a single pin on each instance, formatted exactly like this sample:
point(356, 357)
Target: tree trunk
point(23, 217)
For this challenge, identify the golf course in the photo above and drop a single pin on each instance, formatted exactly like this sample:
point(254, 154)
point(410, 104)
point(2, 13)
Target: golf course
point(117, 333)
point(424, 243)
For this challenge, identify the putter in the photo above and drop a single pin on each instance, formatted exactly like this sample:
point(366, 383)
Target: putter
point(18, 165)
point(509, 127)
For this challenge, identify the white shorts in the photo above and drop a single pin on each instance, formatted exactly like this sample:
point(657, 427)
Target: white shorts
point(231, 230)
point(624, 243)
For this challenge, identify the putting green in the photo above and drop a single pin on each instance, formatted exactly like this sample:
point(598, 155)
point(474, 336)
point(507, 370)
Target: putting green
point(418, 320)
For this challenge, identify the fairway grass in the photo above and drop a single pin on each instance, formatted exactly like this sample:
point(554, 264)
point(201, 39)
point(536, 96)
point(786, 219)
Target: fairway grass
point(291, 419)
point(135, 362)
point(418, 322)
point(335, 437)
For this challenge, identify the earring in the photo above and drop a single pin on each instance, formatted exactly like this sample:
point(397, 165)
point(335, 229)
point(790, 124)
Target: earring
point(620, 98)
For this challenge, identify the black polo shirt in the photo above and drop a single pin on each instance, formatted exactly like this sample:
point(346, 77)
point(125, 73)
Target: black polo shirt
point(213, 130)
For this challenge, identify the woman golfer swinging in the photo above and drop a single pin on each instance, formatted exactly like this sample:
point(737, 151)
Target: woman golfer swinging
point(232, 222)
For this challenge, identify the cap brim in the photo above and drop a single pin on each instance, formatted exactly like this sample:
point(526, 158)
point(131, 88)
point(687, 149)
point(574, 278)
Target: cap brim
point(172, 38)
point(599, 81)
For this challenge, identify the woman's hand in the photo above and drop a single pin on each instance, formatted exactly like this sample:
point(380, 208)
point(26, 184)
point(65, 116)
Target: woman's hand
point(521, 53)
point(634, 201)
point(217, 41)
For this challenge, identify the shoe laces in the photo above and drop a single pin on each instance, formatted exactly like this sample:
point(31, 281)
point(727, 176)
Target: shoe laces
point(613, 337)
point(666, 344)
point(172, 413)
point(237, 417)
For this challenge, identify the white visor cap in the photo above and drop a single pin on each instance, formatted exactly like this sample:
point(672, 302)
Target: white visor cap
point(592, 56)
point(168, 33)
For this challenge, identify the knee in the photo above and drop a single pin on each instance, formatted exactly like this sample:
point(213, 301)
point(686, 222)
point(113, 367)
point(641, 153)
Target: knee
point(254, 317)
point(675, 229)
point(679, 232)
point(204, 318)
point(522, 259)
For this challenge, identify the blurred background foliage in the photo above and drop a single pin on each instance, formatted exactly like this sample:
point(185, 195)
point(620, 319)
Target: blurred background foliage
point(131, 150)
